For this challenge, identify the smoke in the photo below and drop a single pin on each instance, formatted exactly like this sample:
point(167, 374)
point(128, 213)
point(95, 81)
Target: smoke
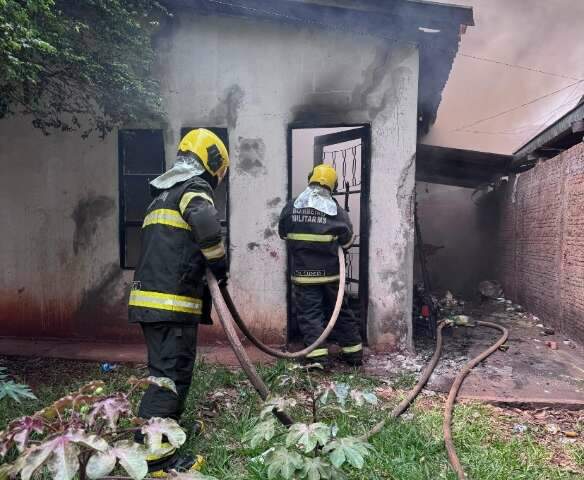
point(540, 34)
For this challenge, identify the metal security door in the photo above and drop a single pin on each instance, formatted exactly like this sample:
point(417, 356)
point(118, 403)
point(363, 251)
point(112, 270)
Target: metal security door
point(349, 153)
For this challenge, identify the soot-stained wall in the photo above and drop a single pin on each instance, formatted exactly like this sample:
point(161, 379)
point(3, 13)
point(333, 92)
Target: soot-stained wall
point(61, 274)
point(541, 241)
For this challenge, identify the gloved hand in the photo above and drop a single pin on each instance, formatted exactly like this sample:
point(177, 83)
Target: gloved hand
point(219, 269)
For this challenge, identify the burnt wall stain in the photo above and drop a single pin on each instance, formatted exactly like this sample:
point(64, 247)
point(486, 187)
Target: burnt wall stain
point(373, 95)
point(87, 215)
point(373, 77)
point(251, 156)
point(274, 202)
point(21, 290)
point(227, 109)
point(252, 246)
point(274, 220)
point(269, 233)
point(105, 302)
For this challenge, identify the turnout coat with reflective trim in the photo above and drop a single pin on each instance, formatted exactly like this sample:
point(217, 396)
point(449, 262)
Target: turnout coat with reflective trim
point(313, 238)
point(180, 234)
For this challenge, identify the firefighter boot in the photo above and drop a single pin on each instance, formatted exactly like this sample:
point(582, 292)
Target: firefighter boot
point(178, 463)
point(352, 355)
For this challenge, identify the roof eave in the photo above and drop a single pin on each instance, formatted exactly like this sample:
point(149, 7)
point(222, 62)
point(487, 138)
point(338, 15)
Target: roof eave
point(554, 131)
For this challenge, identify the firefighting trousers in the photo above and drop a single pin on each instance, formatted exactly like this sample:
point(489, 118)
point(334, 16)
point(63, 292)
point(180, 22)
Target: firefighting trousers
point(171, 353)
point(315, 305)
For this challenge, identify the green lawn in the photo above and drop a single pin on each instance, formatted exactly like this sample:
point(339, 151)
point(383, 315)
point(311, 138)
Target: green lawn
point(409, 449)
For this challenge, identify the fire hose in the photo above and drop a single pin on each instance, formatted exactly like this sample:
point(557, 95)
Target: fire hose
point(301, 353)
point(228, 315)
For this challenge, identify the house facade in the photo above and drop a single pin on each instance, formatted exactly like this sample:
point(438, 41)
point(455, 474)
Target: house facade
point(254, 71)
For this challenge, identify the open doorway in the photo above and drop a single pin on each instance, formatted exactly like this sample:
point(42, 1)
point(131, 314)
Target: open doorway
point(347, 149)
point(455, 250)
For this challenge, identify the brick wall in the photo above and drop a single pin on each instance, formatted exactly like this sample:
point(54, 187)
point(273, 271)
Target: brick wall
point(541, 241)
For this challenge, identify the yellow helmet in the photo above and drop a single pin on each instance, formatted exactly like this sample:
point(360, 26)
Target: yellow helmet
point(208, 148)
point(324, 175)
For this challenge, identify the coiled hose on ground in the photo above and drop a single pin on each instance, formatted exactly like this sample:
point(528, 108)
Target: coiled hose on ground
point(228, 315)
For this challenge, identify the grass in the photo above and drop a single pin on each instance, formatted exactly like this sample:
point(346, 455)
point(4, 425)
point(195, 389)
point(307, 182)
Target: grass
point(410, 449)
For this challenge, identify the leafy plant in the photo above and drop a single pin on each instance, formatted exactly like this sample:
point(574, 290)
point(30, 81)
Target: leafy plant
point(15, 391)
point(89, 433)
point(310, 450)
point(79, 65)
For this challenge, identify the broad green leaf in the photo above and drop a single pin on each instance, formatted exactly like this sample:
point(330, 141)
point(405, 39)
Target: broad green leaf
point(110, 409)
point(262, 432)
point(284, 463)
point(316, 468)
point(156, 427)
point(33, 459)
point(371, 398)
point(360, 398)
point(59, 453)
point(64, 462)
point(348, 450)
point(87, 439)
point(100, 464)
point(18, 432)
point(132, 458)
point(340, 390)
point(276, 403)
point(308, 436)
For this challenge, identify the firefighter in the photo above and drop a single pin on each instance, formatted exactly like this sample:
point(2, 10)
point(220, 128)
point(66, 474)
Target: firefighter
point(314, 225)
point(181, 236)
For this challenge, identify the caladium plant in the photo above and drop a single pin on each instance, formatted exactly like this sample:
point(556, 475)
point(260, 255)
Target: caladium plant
point(87, 434)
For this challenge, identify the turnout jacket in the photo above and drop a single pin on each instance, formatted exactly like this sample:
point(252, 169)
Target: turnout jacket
point(181, 233)
point(313, 238)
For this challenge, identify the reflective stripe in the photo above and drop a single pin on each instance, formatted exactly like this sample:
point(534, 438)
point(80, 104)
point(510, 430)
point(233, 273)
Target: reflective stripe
point(213, 253)
point(164, 216)
point(187, 197)
point(353, 349)
point(349, 243)
point(311, 237)
point(166, 301)
point(318, 352)
point(315, 280)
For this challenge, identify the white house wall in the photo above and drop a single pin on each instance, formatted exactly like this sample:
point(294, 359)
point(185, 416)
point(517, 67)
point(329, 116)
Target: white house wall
point(61, 274)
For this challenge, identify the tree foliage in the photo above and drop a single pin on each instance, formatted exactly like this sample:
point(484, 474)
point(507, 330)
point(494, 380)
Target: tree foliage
point(79, 65)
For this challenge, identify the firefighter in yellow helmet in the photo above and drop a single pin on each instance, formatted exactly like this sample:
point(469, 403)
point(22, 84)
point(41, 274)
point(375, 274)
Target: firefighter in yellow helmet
point(181, 236)
point(314, 225)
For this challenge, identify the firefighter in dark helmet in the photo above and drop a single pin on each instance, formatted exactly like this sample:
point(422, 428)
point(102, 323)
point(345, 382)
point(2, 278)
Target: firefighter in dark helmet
point(181, 236)
point(314, 225)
